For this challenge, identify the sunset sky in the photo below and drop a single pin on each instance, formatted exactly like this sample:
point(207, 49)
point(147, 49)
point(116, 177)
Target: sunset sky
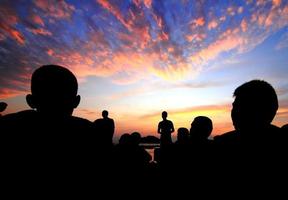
point(137, 58)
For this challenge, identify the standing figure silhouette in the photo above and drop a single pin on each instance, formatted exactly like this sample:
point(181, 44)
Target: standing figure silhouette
point(165, 129)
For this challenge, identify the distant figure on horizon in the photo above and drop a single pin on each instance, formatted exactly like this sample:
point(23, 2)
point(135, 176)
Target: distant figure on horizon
point(106, 127)
point(165, 129)
point(3, 106)
point(201, 129)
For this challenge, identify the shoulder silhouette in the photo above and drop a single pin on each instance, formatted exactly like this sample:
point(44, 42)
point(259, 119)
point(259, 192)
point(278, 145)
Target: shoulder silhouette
point(49, 133)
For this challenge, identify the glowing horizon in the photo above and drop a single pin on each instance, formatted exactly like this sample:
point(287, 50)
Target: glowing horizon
point(137, 58)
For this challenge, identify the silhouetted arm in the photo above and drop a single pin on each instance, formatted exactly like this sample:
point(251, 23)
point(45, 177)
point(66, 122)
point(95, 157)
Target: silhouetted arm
point(159, 128)
point(172, 127)
point(113, 126)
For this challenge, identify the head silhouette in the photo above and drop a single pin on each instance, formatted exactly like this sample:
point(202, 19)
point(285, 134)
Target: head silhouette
point(105, 114)
point(201, 127)
point(3, 106)
point(255, 105)
point(136, 138)
point(182, 135)
point(53, 91)
point(164, 115)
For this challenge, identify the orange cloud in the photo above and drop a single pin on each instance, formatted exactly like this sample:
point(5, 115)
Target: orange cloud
point(231, 11)
point(59, 9)
point(8, 20)
point(243, 25)
point(148, 3)
point(227, 41)
point(240, 10)
point(17, 36)
point(50, 52)
point(213, 24)
point(276, 3)
point(115, 11)
point(199, 21)
point(37, 20)
point(6, 93)
point(40, 31)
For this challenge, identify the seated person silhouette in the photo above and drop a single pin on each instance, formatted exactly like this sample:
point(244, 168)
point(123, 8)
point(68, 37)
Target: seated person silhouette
point(165, 129)
point(105, 127)
point(49, 131)
point(3, 106)
point(201, 129)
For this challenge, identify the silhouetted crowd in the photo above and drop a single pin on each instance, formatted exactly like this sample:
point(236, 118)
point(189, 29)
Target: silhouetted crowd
point(47, 142)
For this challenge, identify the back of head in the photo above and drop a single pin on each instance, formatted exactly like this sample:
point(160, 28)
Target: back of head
point(105, 113)
point(3, 106)
point(182, 134)
point(255, 105)
point(164, 114)
point(136, 138)
point(201, 127)
point(54, 91)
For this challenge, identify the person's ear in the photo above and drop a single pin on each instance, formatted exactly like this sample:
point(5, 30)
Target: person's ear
point(76, 101)
point(31, 101)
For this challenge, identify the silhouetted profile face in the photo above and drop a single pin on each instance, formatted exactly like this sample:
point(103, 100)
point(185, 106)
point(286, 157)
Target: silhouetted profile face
point(201, 127)
point(255, 105)
point(164, 115)
point(105, 113)
point(3, 106)
point(54, 91)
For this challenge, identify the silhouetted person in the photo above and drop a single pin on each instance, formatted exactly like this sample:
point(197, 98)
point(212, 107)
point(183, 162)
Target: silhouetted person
point(255, 142)
point(49, 136)
point(165, 129)
point(201, 129)
point(135, 138)
point(105, 127)
point(182, 136)
point(3, 106)
point(254, 108)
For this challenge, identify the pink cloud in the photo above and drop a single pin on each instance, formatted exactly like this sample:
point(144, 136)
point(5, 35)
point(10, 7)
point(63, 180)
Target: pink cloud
point(276, 3)
point(244, 25)
point(6, 93)
point(8, 19)
point(213, 24)
point(115, 11)
point(50, 52)
point(37, 19)
point(240, 10)
point(148, 3)
point(40, 31)
point(227, 41)
point(59, 9)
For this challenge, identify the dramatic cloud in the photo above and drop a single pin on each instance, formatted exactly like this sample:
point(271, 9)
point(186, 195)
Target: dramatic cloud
point(129, 41)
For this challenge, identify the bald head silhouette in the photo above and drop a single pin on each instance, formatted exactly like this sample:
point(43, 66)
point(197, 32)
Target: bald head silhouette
point(53, 91)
